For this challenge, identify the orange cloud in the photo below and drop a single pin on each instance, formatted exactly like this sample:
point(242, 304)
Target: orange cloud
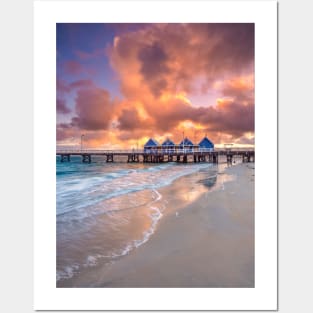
point(158, 67)
point(168, 57)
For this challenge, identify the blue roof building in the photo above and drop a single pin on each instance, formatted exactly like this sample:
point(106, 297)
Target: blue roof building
point(186, 143)
point(168, 143)
point(151, 143)
point(205, 143)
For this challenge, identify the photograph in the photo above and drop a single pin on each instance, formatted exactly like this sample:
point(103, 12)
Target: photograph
point(155, 155)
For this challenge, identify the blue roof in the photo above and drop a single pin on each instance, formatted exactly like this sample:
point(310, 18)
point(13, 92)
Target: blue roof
point(168, 142)
point(206, 143)
point(151, 143)
point(186, 142)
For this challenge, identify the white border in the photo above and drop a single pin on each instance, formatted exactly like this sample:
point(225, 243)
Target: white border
point(264, 295)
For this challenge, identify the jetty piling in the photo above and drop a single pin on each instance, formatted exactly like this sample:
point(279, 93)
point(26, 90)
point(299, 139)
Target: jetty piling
point(109, 157)
point(86, 158)
point(65, 157)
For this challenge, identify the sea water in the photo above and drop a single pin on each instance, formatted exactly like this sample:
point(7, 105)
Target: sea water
point(106, 210)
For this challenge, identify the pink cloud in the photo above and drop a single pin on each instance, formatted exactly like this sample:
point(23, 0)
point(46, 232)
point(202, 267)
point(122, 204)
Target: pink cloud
point(158, 66)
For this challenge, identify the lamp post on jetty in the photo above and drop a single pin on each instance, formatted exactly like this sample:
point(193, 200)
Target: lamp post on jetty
point(183, 141)
point(81, 142)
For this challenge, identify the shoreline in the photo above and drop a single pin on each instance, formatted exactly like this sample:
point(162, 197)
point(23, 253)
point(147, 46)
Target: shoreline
point(208, 243)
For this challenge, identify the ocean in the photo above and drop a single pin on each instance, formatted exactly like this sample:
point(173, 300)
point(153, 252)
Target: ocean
point(106, 210)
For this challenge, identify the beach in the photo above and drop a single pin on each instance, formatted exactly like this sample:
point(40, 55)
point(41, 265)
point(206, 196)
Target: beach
point(202, 237)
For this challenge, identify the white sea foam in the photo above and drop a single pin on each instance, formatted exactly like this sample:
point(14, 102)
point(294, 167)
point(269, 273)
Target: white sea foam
point(67, 272)
point(156, 216)
point(82, 193)
point(92, 260)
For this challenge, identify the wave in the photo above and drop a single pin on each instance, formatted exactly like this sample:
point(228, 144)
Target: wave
point(81, 193)
point(155, 215)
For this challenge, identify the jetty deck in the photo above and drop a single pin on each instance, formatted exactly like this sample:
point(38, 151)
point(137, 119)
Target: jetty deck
point(160, 156)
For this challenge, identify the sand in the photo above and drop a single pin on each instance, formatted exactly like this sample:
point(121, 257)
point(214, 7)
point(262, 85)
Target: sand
point(208, 243)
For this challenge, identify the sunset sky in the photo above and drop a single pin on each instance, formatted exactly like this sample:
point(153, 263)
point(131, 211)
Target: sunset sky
point(120, 84)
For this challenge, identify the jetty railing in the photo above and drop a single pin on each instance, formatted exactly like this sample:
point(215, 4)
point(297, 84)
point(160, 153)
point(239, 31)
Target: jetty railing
point(150, 151)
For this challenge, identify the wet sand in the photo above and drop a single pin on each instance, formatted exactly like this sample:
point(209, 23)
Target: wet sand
point(208, 243)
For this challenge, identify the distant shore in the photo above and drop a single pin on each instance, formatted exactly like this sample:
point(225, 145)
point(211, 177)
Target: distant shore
point(208, 243)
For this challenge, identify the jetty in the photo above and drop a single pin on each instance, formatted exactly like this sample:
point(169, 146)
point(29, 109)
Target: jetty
point(160, 155)
point(153, 152)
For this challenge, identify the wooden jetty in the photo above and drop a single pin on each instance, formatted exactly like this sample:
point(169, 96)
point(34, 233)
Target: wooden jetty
point(160, 156)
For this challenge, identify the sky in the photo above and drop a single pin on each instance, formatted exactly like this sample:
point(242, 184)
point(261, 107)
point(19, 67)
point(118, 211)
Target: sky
point(120, 84)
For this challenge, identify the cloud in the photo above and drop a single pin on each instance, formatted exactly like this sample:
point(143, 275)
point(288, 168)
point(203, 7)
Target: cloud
point(159, 62)
point(62, 87)
point(130, 120)
point(61, 107)
point(82, 83)
point(159, 66)
point(153, 66)
point(168, 57)
point(94, 109)
point(241, 88)
point(65, 132)
point(231, 118)
point(245, 140)
point(228, 116)
point(76, 68)
point(72, 67)
point(83, 55)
